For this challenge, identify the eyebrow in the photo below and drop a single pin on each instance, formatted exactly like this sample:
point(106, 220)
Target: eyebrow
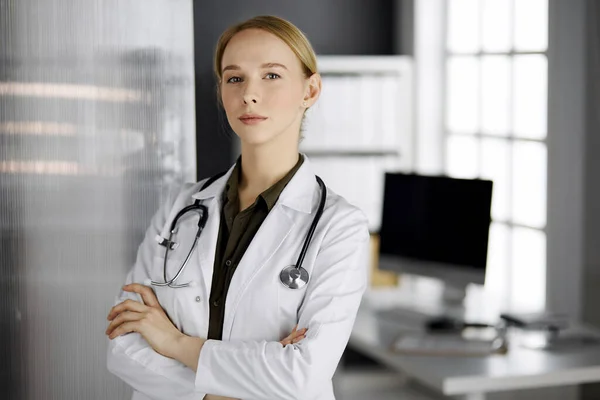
point(265, 65)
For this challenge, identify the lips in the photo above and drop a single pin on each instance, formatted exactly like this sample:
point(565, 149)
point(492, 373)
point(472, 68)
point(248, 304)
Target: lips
point(252, 118)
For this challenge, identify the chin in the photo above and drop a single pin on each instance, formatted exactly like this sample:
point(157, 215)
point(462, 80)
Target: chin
point(254, 137)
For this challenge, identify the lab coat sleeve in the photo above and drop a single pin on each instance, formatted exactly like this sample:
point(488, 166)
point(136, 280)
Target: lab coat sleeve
point(267, 370)
point(130, 357)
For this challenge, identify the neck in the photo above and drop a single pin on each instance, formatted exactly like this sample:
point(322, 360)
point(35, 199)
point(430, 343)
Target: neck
point(263, 167)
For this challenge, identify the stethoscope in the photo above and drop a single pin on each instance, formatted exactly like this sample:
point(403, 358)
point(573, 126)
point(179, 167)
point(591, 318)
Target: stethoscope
point(293, 276)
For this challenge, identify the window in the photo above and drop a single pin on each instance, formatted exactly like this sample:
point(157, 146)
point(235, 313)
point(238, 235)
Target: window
point(495, 124)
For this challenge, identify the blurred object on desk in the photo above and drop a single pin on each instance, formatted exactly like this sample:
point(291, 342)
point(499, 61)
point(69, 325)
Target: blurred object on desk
point(445, 324)
point(557, 341)
point(380, 278)
point(536, 321)
point(448, 345)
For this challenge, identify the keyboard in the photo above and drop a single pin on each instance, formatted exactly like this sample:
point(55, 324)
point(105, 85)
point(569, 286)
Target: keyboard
point(446, 345)
point(405, 315)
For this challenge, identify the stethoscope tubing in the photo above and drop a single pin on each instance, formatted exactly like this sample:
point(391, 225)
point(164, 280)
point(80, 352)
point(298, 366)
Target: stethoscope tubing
point(313, 226)
point(203, 217)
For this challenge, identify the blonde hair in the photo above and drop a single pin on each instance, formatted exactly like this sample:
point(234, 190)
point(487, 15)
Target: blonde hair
point(283, 29)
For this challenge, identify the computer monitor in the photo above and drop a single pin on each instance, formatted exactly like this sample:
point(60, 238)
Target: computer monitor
point(436, 226)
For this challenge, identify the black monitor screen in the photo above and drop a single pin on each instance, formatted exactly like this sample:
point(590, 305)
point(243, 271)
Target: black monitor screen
point(436, 219)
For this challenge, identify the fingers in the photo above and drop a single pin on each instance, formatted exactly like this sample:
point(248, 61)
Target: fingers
point(295, 333)
point(146, 292)
point(298, 338)
point(292, 340)
point(289, 337)
point(127, 305)
point(122, 329)
point(124, 317)
point(295, 336)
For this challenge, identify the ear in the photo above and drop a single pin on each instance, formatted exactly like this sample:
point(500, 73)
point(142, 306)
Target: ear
point(313, 90)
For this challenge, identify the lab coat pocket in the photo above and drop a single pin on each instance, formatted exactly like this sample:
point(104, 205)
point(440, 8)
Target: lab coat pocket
point(184, 306)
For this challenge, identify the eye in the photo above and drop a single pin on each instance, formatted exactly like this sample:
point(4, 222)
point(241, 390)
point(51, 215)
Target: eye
point(271, 76)
point(234, 79)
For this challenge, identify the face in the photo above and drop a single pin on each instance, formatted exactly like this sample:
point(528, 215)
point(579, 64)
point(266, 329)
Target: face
point(263, 88)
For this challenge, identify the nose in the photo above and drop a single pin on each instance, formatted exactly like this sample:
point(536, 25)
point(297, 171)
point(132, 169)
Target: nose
point(250, 94)
point(250, 98)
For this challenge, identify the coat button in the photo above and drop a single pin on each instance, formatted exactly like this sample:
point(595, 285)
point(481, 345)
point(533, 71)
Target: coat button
point(228, 263)
point(198, 299)
point(216, 303)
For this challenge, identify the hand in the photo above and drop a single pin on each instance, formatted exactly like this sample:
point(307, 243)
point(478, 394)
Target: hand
point(295, 336)
point(147, 319)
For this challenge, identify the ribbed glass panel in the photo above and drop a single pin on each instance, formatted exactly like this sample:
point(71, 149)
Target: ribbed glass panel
point(96, 120)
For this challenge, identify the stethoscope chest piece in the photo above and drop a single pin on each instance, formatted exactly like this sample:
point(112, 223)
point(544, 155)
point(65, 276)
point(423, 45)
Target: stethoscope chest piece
point(293, 278)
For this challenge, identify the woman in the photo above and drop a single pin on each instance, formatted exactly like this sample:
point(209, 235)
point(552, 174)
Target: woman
point(221, 335)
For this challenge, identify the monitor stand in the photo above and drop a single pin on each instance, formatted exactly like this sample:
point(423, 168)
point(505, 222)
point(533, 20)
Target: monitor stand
point(419, 306)
point(453, 297)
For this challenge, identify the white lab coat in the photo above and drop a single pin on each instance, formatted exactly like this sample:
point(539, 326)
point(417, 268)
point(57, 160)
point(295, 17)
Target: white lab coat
point(250, 363)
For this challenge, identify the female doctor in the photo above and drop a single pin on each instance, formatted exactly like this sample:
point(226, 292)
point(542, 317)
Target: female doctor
point(216, 330)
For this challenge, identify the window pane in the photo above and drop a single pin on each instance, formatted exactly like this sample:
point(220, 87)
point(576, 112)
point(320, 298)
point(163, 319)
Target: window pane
point(498, 263)
point(496, 25)
point(462, 157)
point(529, 183)
point(495, 160)
point(495, 92)
point(462, 94)
point(531, 25)
point(528, 270)
point(463, 26)
point(530, 88)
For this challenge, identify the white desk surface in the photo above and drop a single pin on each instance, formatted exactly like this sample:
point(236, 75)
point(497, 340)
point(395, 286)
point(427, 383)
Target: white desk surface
point(520, 368)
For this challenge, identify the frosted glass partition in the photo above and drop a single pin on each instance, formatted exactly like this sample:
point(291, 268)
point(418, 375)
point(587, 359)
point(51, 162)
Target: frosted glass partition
point(96, 120)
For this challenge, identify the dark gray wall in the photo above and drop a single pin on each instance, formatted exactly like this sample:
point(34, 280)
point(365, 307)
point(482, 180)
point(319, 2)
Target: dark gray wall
point(591, 254)
point(567, 46)
point(573, 274)
point(591, 204)
point(332, 26)
point(574, 164)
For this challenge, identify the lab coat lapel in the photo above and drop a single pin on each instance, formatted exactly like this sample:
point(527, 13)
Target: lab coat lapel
point(296, 197)
point(207, 243)
point(267, 240)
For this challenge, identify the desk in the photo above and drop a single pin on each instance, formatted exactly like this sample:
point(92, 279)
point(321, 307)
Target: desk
point(473, 377)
